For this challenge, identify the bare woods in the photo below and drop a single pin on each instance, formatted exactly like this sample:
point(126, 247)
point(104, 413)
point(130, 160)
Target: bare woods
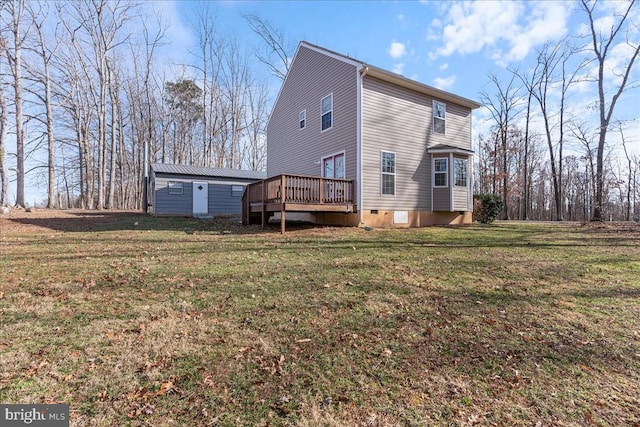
point(88, 97)
point(550, 157)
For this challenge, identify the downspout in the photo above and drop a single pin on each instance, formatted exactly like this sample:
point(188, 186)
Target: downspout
point(433, 176)
point(360, 80)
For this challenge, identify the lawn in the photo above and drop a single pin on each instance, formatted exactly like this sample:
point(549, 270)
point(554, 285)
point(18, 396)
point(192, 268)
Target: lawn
point(134, 320)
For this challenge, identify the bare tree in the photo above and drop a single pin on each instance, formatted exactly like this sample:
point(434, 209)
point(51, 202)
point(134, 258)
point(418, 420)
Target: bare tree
point(585, 138)
point(503, 106)
point(601, 43)
point(144, 110)
point(277, 53)
point(551, 72)
point(14, 55)
point(4, 177)
point(631, 172)
point(255, 119)
point(38, 18)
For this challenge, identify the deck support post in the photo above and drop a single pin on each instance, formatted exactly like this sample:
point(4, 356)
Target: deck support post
point(264, 204)
point(283, 200)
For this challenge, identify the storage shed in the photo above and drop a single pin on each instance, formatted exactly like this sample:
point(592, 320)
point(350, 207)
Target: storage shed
point(181, 190)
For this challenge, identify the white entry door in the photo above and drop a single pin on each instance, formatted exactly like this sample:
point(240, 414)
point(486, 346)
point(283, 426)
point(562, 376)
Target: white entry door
point(200, 198)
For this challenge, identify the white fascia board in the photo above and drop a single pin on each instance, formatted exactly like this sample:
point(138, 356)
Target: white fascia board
point(330, 54)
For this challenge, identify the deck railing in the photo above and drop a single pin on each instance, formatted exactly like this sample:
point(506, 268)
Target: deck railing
point(300, 190)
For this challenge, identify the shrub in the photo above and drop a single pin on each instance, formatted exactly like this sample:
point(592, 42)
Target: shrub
point(487, 207)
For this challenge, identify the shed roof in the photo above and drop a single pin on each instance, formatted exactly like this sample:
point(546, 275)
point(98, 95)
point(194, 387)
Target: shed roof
point(206, 171)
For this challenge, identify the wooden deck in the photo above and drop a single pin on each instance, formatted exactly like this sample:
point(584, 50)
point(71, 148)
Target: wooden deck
point(292, 193)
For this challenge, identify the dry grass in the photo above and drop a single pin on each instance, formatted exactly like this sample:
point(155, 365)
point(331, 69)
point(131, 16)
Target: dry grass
point(157, 321)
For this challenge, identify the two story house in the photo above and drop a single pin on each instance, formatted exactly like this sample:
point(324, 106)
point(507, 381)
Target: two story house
point(405, 146)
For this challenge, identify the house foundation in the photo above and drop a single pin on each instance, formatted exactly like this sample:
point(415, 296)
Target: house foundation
point(392, 219)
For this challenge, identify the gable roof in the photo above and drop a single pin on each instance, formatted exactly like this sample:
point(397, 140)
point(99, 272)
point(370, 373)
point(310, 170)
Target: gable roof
point(393, 78)
point(206, 171)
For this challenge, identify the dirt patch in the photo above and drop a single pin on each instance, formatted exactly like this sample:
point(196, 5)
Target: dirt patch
point(76, 220)
point(43, 220)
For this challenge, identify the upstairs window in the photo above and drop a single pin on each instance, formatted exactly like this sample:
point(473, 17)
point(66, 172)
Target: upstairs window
point(388, 173)
point(440, 168)
point(439, 111)
point(303, 119)
point(175, 187)
point(327, 112)
point(460, 172)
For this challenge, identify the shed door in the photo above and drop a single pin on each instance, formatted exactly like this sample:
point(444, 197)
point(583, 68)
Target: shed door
point(200, 198)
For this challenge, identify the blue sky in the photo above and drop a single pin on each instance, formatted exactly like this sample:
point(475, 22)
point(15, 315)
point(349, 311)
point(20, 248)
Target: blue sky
point(447, 44)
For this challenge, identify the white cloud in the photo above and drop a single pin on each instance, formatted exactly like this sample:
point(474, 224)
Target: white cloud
point(397, 50)
point(444, 66)
point(547, 21)
point(473, 25)
point(444, 82)
point(508, 31)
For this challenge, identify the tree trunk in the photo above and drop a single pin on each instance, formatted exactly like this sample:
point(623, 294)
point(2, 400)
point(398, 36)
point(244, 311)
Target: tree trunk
point(15, 62)
point(4, 178)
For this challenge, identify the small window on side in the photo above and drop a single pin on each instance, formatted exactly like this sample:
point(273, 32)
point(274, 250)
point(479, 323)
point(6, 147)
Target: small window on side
point(439, 113)
point(303, 119)
point(237, 190)
point(175, 187)
point(327, 112)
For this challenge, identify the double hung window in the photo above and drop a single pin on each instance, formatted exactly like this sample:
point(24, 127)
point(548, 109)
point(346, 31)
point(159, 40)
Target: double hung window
point(440, 172)
point(439, 112)
point(327, 112)
point(388, 173)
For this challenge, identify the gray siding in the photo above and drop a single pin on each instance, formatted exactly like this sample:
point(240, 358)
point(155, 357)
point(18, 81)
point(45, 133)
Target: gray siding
point(441, 199)
point(461, 199)
point(297, 151)
point(171, 204)
point(399, 120)
point(221, 200)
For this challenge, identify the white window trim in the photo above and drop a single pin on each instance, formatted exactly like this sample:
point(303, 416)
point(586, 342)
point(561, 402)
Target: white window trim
point(455, 180)
point(446, 173)
point(300, 119)
point(395, 175)
point(330, 111)
point(170, 183)
point(322, 159)
point(234, 190)
point(433, 117)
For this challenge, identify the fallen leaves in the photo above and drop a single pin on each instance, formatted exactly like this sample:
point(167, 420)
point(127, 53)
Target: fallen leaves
point(140, 399)
point(165, 388)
